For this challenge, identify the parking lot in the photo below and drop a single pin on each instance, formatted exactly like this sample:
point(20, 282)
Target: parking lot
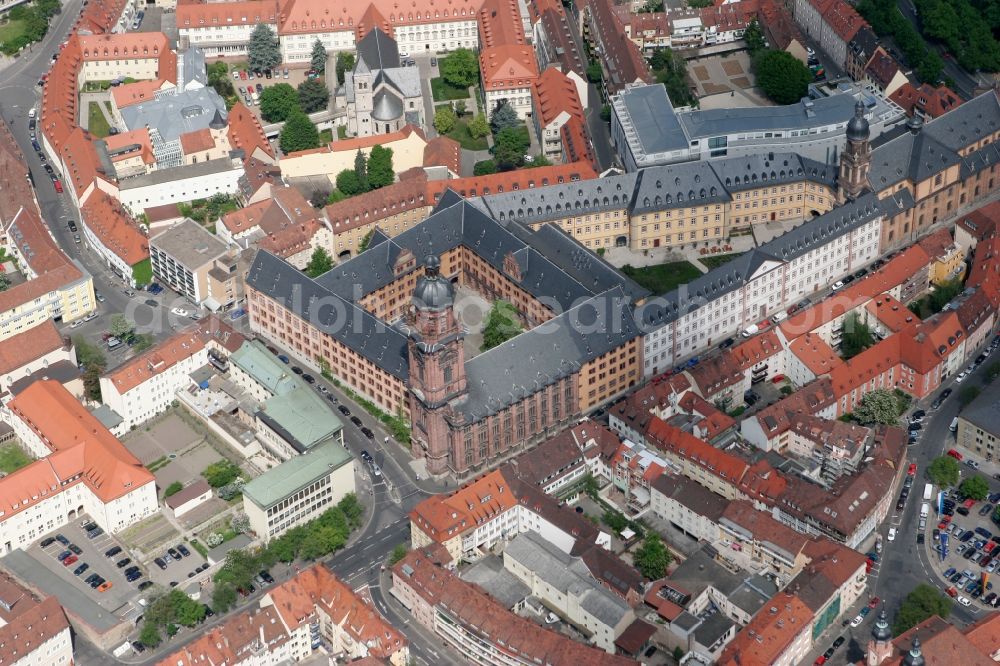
point(965, 544)
point(117, 591)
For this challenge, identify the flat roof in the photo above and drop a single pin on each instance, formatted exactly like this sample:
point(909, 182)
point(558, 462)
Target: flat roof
point(652, 117)
point(801, 115)
point(292, 475)
point(189, 244)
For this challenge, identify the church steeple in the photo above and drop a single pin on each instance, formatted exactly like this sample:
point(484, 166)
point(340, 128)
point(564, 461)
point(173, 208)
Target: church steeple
point(855, 160)
point(437, 365)
point(880, 645)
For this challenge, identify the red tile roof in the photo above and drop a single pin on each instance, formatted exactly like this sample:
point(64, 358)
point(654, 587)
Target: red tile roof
point(211, 15)
point(81, 445)
point(844, 20)
point(399, 197)
point(180, 346)
point(508, 181)
point(770, 633)
point(440, 588)
point(927, 100)
point(137, 137)
point(128, 94)
point(80, 159)
point(114, 229)
point(720, 463)
point(444, 517)
point(508, 66)
point(193, 142)
point(623, 60)
point(443, 151)
point(29, 623)
point(297, 600)
point(311, 16)
point(29, 345)
point(555, 94)
point(246, 134)
point(882, 67)
point(100, 17)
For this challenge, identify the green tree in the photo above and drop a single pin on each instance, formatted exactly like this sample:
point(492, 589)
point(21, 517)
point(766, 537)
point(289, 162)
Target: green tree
point(381, 171)
point(615, 520)
point(299, 133)
point(398, 553)
point(968, 394)
point(652, 558)
point(754, 37)
point(223, 597)
point(504, 117)
point(150, 635)
point(671, 70)
point(590, 486)
point(318, 57)
point(365, 240)
point(263, 52)
point(320, 262)
point(975, 487)
point(878, 406)
point(313, 96)
point(221, 473)
point(460, 68)
point(943, 471)
point(173, 489)
point(509, 147)
point(478, 127)
point(606, 113)
point(594, 72)
point(460, 108)
point(782, 77)
point(278, 102)
point(345, 63)
point(992, 371)
point(857, 337)
point(502, 324)
point(142, 342)
point(484, 168)
point(349, 183)
point(444, 119)
point(930, 68)
point(361, 170)
point(319, 198)
point(120, 327)
point(921, 603)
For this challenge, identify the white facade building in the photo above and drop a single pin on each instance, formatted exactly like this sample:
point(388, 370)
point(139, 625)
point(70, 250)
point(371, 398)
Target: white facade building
point(180, 184)
point(769, 279)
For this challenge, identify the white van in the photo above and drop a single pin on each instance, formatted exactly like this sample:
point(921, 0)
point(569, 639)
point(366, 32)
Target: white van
point(750, 330)
point(954, 425)
point(33, 112)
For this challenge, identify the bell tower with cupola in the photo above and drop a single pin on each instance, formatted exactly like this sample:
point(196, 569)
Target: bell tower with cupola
point(856, 158)
point(437, 365)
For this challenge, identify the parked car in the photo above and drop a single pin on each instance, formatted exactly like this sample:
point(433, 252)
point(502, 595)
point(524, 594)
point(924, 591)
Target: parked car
point(182, 549)
point(174, 554)
point(111, 552)
point(105, 586)
point(80, 569)
point(72, 559)
point(308, 379)
point(160, 563)
point(124, 562)
point(47, 541)
point(75, 548)
point(145, 585)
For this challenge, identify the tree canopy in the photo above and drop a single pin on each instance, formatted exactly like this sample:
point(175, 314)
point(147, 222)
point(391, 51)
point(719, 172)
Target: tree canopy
point(943, 471)
point(278, 102)
point(878, 406)
point(299, 133)
point(345, 63)
point(444, 119)
point(501, 325)
point(478, 127)
point(120, 326)
point(460, 68)
point(503, 117)
point(380, 168)
point(320, 262)
point(975, 487)
point(263, 51)
point(921, 603)
point(671, 71)
point(857, 337)
point(754, 37)
point(652, 558)
point(349, 183)
point(318, 57)
point(221, 473)
point(313, 96)
point(509, 148)
point(782, 77)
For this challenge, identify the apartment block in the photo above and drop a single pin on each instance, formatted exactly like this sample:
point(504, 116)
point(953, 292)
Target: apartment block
point(182, 258)
point(147, 385)
point(298, 490)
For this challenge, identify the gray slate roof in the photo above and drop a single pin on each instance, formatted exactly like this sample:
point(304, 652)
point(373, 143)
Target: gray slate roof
point(387, 106)
point(804, 238)
point(704, 123)
point(176, 114)
point(592, 296)
point(681, 185)
point(968, 123)
point(984, 412)
point(568, 575)
point(651, 114)
point(377, 51)
point(193, 66)
point(489, 574)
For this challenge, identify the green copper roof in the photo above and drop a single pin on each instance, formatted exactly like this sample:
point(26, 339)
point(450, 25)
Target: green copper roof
point(292, 475)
